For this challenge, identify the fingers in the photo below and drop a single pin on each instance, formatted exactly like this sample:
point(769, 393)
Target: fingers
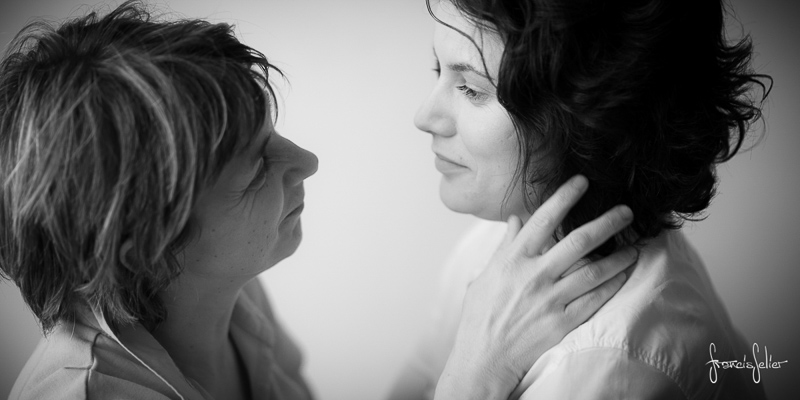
point(514, 225)
point(583, 240)
point(591, 275)
point(540, 227)
point(586, 305)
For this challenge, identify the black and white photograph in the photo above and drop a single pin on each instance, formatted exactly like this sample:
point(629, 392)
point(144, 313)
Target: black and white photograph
point(399, 199)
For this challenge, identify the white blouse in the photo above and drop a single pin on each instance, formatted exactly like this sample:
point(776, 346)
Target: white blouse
point(653, 340)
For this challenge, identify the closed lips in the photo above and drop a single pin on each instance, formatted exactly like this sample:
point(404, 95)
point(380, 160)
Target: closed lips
point(298, 209)
point(443, 158)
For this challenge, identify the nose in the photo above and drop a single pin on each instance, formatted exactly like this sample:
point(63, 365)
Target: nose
point(433, 115)
point(304, 164)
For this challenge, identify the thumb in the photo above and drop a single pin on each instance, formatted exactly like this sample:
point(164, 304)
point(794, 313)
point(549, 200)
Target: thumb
point(513, 228)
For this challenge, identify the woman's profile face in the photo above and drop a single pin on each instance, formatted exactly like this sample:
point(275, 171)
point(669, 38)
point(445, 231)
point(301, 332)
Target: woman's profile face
point(473, 137)
point(250, 218)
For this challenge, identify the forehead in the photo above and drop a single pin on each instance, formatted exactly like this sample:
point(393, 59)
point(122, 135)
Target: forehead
point(451, 46)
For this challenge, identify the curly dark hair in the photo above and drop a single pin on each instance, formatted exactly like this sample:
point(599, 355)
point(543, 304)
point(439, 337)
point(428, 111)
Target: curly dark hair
point(109, 128)
point(643, 97)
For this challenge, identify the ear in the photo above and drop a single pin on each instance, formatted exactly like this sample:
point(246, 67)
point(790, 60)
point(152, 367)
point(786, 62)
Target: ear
point(125, 253)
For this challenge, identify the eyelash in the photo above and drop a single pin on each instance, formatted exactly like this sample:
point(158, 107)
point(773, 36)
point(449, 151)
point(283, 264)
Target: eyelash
point(471, 94)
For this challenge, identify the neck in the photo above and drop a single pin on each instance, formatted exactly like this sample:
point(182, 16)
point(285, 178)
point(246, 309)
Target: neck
point(196, 331)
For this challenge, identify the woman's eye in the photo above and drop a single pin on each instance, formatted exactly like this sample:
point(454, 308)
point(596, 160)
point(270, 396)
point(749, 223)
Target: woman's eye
point(437, 69)
point(471, 94)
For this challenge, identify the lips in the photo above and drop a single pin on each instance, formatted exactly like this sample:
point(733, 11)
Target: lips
point(297, 210)
point(449, 160)
point(299, 199)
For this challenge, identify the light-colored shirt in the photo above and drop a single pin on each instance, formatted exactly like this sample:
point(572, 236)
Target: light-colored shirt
point(84, 359)
point(654, 339)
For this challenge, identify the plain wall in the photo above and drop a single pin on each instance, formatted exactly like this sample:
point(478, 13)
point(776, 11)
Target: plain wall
point(358, 291)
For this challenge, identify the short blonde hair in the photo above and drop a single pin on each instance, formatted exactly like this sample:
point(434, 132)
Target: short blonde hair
point(109, 127)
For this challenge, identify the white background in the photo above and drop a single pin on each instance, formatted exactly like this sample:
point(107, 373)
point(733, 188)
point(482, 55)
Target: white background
point(358, 290)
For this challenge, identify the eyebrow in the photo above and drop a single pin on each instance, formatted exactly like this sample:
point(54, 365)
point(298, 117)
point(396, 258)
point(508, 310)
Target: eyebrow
point(464, 67)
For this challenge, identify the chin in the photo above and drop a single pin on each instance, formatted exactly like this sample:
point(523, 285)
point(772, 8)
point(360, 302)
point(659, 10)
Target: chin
point(290, 237)
point(294, 239)
point(489, 206)
point(461, 204)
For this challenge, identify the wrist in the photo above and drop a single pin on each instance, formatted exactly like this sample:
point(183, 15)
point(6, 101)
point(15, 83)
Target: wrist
point(468, 376)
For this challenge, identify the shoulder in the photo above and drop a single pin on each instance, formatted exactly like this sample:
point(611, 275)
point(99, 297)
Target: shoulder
point(658, 329)
point(611, 372)
point(59, 366)
point(77, 361)
point(603, 372)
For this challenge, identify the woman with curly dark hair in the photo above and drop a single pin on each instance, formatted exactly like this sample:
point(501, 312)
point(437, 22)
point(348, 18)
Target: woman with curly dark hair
point(643, 98)
point(143, 188)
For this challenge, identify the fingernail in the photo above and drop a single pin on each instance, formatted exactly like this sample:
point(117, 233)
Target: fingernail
point(580, 182)
point(625, 212)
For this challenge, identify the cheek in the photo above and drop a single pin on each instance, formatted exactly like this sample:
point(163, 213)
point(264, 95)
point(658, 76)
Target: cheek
point(493, 148)
point(268, 208)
